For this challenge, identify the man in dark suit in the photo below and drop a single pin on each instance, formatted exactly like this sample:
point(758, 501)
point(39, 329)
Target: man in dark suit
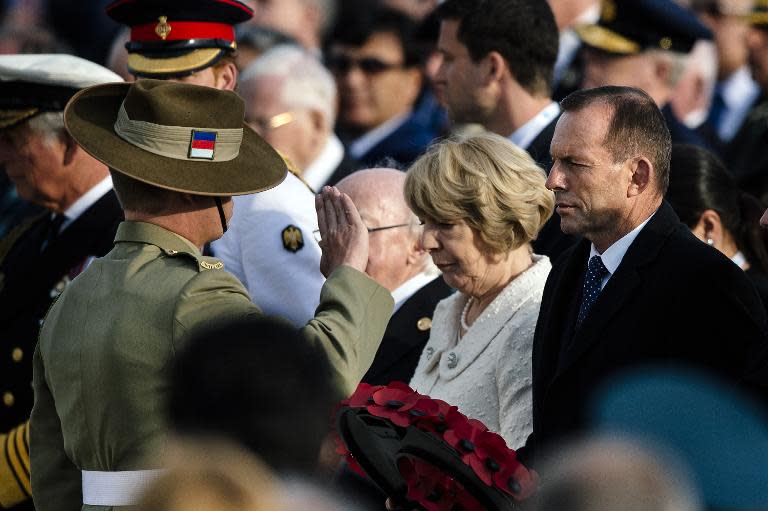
point(639, 288)
point(498, 57)
point(397, 262)
point(39, 257)
point(376, 63)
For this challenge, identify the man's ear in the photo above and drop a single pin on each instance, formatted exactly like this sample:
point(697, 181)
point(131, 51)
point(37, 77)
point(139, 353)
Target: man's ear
point(416, 252)
point(642, 174)
point(495, 66)
point(226, 76)
point(71, 148)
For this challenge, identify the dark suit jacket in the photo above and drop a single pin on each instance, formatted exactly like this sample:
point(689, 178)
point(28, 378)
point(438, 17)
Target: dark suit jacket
point(30, 279)
point(551, 241)
point(403, 341)
point(671, 300)
point(403, 145)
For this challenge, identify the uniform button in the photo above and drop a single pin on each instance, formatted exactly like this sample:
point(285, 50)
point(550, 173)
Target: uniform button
point(8, 399)
point(424, 324)
point(453, 360)
point(17, 354)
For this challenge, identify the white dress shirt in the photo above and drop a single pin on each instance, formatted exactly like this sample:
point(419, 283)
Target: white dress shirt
point(739, 94)
point(322, 168)
point(85, 201)
point(360, 146)
point(410, 286)
point(525, 134)
point(615, 253)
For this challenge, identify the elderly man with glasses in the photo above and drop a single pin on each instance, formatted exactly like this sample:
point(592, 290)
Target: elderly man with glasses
point(397, 262)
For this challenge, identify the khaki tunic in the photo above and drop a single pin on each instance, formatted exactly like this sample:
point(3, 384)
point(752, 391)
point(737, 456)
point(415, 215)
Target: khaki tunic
point(101, 364)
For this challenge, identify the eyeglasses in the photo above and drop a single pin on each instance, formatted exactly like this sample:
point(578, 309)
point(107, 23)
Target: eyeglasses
point(261, 125)
point(318, 238)
point(343, 64)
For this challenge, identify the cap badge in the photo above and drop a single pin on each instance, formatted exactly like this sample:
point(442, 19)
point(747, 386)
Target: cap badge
point(202, 145)
point(163, 28)
point(293, 239)
point(607, 11)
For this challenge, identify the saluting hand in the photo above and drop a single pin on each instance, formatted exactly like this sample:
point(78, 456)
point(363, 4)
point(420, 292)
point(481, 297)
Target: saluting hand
point(344, 237)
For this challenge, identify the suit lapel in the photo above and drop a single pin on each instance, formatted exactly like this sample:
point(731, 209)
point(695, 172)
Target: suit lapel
point(90, 235)
point(621, 286)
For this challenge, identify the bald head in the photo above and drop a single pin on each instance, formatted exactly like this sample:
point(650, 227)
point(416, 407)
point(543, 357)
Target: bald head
point(378, 189)
point(395, 255)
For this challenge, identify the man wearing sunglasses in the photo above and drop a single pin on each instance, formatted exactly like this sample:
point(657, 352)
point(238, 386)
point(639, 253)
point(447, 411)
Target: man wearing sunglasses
point(376, 65)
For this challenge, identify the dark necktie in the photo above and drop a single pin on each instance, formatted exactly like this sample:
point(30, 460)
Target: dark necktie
point(596, 271)
point(716, 109)
point(54, 226)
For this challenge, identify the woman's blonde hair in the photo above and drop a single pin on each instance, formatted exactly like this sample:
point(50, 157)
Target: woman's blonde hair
point(487, 181)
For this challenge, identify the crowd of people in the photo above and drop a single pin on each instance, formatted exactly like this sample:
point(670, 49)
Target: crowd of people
point(218, 217)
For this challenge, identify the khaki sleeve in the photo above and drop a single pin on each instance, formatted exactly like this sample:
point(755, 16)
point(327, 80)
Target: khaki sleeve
point(349, 323)
point(56, 481)
point(14, 467)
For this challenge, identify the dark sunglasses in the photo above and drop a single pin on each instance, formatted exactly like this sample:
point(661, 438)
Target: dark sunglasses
point(369, 65)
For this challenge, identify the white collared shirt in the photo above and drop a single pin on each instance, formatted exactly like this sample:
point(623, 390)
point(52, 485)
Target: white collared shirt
point(85, 201)
point(739, 94)
point(317, 173)
point(408, 288)
point(615, 253)
point(525, 134)
point(365, 143)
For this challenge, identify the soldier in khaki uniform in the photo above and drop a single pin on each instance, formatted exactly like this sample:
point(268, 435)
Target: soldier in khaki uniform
point(177, 154)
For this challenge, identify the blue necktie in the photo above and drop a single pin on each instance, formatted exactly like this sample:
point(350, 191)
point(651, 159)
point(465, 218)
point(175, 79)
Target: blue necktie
point(596, 271)
point(717, 109)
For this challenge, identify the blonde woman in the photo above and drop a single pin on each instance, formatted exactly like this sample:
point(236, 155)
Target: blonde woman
point(482, 200)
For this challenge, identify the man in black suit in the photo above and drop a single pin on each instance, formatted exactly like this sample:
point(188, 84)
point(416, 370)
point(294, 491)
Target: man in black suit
point(397, 262)
point(39, 257)
point(496, 70)
point(639, 288)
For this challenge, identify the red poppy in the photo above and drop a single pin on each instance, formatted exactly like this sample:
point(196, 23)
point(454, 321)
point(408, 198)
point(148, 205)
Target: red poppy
point(394, 404)
point(362, 395)
point(516, 480)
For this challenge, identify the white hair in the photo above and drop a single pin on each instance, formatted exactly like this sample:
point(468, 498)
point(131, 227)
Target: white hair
point(49, 125)
point(306, 83)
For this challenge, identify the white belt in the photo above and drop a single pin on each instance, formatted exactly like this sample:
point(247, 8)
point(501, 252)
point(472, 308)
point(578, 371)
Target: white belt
point(122, 488)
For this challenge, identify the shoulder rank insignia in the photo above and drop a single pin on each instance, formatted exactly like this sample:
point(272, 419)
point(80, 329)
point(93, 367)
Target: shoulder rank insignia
point(293, 240)
point(212, 266)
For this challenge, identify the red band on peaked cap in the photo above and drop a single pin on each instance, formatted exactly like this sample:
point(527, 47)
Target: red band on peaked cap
point(184, 30)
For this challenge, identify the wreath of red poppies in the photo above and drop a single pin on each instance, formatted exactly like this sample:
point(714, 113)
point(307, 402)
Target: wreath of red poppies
point(485, 452)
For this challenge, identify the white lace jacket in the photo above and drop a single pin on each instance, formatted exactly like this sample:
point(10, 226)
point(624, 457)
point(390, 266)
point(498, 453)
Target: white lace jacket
point(488, 373)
